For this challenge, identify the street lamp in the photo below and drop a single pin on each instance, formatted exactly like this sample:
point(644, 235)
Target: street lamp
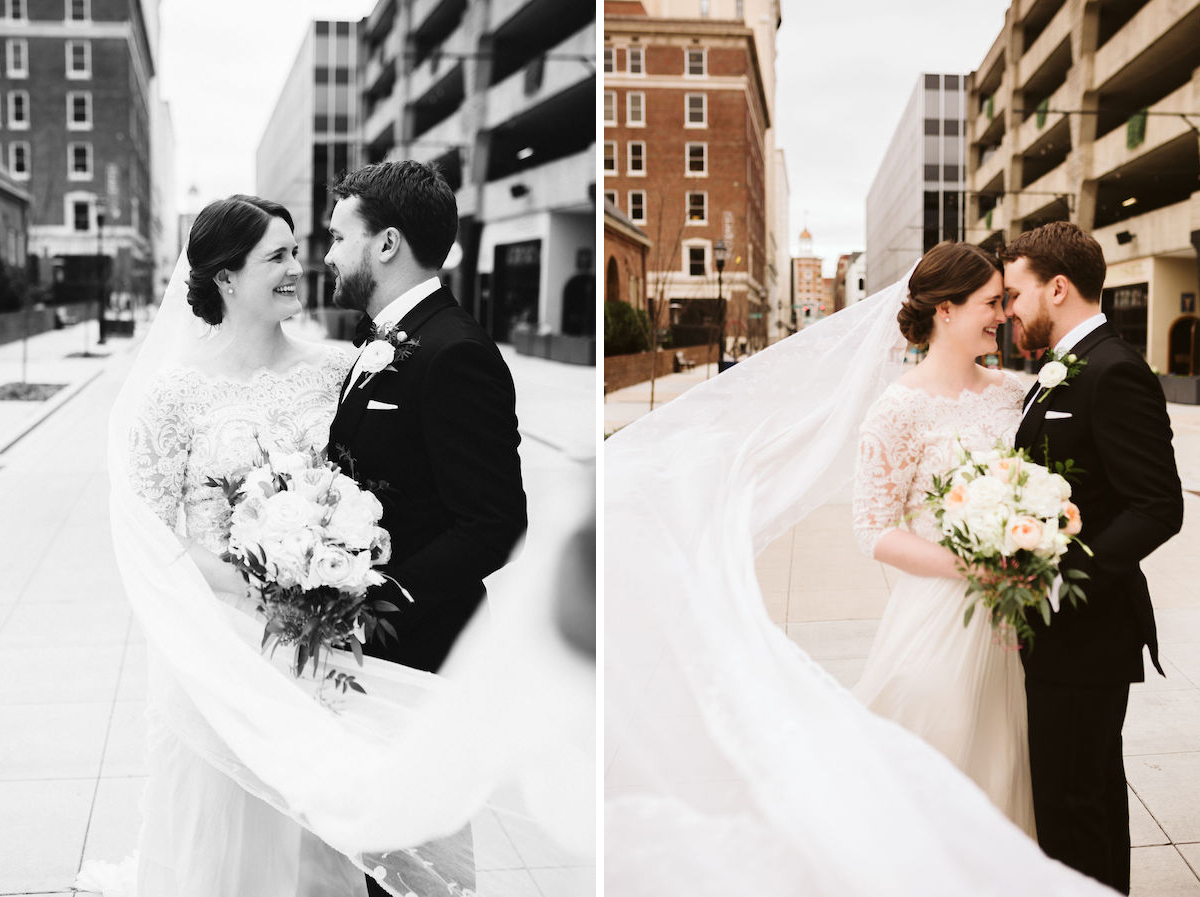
point(100, 297)
point(720, 253)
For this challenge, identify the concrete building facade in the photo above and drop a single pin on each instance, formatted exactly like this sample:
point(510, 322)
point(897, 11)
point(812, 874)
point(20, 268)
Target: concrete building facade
point(684, 156)
point(501, 94)
point(1090, 112)
point(916, 198)
point(310, 140)
point(75, 99)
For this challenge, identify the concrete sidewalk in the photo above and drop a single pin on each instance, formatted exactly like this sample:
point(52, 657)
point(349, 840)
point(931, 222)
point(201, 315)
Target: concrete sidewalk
point(829, 598)
point(72, 661)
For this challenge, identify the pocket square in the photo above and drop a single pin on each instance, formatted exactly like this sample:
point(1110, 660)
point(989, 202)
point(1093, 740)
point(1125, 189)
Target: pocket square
point(372, 405)
point(1057, 415)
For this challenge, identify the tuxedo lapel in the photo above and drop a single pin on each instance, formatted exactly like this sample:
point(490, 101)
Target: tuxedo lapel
point(1034, 420)
point(435, 302)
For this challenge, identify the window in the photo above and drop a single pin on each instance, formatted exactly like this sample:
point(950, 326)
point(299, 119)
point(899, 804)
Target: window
point(79, 10)
point(610, 157)
point(18, 110)
point(79, 59)
point(610, 60)
point(637, 206)
point(79, 110)
point(697, 208)
point(79, 161)
point(637, 157)
point(635, 109)
point(611, 196)
point(17, 57)
point(704, 9)
point(697, 261)
point(16, 10)
point(610, 107)
point(81, 215)
point(696, 160)
point(695, 110)
point(18, 159)
point(696, 66)
point(633, 61)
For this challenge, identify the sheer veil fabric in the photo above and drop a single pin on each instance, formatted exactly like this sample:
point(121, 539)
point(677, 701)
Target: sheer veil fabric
point(507, 726)
point(733, 762)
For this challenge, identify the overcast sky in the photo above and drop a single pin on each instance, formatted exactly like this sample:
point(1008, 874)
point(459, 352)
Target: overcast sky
point(222, 64)
point(844, 70)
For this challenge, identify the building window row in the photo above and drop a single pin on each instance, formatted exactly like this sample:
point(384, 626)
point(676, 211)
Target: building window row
point(695, 109)
point(15, 10)
point(695, 65)
point(695, 158)
point(73, 10)
point(79, 110)
point(16, 58)
point(18, 159)
point(18, 110)
point(80, 165)
point(79, 59)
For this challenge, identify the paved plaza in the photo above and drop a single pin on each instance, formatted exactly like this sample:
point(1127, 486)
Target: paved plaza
point(829, 598)
point(72, 661)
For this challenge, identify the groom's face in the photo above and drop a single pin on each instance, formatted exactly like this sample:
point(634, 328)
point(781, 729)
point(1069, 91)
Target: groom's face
point(1028, 305)
point(350, 256)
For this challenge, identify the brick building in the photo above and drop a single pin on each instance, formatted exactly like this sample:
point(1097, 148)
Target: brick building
point(685, 119)
point(75, 99)
point(625, 249)
point(808, 286)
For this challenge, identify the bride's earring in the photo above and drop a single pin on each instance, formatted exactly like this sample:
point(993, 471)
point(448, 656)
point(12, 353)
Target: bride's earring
point(230, 292)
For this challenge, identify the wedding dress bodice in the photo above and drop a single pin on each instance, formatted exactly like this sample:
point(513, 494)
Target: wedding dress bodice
point(194, 426)
point(910, 436)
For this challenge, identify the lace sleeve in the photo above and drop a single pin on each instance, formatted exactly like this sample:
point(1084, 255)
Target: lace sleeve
point(888, 452)
point(158, 449)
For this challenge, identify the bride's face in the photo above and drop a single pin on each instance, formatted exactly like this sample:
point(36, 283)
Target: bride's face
point(265, 287)
point(973, 325)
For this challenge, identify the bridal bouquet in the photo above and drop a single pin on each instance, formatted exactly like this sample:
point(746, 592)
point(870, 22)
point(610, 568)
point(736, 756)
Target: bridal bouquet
point(1011, 521)
point(308, 538)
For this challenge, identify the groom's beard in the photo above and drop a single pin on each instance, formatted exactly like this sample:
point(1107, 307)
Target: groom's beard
point(354, 289)
point(1035, 334)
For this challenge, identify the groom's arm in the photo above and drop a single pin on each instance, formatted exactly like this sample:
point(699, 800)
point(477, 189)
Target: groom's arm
point(1132, 434)
point(469, 425)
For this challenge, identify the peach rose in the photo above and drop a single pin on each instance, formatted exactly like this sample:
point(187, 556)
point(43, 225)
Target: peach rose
point(956, 498)
point(1025, 532)
point(1074, 519)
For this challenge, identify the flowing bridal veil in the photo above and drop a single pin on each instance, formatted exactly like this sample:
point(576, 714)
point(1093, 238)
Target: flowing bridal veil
point(507, 726)
point(734, 764)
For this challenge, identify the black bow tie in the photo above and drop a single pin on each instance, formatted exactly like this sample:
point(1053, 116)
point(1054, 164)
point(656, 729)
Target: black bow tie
point(363, 330)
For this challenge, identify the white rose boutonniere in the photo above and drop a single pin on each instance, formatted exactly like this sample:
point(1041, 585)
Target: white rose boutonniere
point(1058, 370)
point(385, 351)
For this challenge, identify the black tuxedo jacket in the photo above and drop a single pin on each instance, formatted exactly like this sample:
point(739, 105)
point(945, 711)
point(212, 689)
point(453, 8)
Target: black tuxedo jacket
point(437, 440)
point(1111, 419)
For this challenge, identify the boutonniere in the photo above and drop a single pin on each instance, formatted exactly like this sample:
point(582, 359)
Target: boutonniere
point(1059, 370)
point(387, 349)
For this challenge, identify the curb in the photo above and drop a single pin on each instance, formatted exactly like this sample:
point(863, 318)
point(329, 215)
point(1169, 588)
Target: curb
point(60, 398)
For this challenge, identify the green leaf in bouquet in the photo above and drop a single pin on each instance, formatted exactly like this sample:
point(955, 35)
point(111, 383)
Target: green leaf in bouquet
point(356, 648)
point(353, 683)
point(1044, 607)
point(970, 612)
point(301, 658)
point(388, 629)
point(384, 606)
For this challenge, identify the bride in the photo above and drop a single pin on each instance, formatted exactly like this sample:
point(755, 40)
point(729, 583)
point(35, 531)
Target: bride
point(734, 762)
point(957, 688)
point(254, 787)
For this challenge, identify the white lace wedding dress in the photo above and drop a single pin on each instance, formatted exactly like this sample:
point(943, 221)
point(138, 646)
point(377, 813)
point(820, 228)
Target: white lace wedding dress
point(954, 686)
point(203, 834)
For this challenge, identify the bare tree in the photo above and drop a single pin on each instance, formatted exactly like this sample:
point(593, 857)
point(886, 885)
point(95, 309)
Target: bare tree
point(657, 305)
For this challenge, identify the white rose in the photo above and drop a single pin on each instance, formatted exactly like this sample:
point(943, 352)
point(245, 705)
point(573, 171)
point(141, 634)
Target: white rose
point(289, 464)
point(331, 566)
point(259, 482)
point(985, 493)
point(376, 356)
point(1047, 546)
point(382, 542)
point(986, 526)
point(985, 456)
point(288, 511)
point(1064, 488)
point(1007, 469)
point(314, 482)
point(290, 553)
point(1042, 495)
point(354, 518)
point(1052, 374)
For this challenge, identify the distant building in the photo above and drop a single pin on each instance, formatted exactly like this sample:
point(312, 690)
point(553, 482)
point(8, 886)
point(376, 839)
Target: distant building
point(808, 286)
point(855, 280)
point(76, 112)
point(14, 236)
point(502, 96)
point(164, 231)
point(916, 198)
point(310, 140)
point(684, 103)
point(1075, 114)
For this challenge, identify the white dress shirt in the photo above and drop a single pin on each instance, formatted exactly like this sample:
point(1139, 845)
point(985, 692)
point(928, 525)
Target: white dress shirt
point(393, 312)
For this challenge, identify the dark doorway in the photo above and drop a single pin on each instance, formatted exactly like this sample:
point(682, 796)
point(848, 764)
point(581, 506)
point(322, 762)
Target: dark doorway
point(1183, 347)
point(1126, 309)
point(516, 273)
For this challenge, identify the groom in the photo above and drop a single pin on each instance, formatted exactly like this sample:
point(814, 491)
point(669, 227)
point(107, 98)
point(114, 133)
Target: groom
point(427, 417)
point(1109, 416)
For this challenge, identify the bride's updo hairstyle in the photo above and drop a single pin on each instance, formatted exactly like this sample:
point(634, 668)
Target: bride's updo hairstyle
point(949, 272)
point(222, 236)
